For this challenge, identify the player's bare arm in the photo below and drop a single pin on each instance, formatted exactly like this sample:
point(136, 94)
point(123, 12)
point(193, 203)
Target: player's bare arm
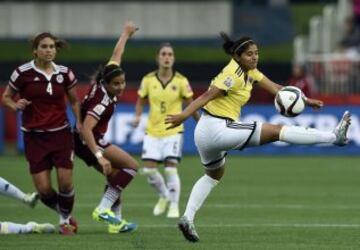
point(88, 136)
point(201, 101)
point(139, 108)
point(128, 30)
point(75, 105)
point(8, 101)
point(269, 85)
point(187, 102)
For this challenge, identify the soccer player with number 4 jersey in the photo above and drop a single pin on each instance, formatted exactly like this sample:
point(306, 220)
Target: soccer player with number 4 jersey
point(220, 130)
point(165, 90)
point(41, 86)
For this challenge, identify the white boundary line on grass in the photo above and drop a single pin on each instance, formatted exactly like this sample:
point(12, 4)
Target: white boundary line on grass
point(222, 206)
point(245, 225)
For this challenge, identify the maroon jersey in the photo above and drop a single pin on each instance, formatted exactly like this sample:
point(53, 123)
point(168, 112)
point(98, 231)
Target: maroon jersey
point(47, 111)
point(99, 105)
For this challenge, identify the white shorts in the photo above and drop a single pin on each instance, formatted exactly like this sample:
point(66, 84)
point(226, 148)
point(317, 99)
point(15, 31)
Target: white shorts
point(160, 149)
point(215, 136)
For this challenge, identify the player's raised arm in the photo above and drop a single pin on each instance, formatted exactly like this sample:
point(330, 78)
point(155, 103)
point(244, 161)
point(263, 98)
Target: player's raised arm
point(128, 29)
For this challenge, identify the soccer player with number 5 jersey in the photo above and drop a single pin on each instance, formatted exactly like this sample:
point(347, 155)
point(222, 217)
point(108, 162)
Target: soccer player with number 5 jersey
point(165, 90)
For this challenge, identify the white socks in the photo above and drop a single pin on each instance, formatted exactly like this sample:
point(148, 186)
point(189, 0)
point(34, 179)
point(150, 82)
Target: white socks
point(156, 180)
point(8, 189)
point(15, 228)
point(301, 135)
point(109, 198)
point(173, 185)
point(117, 211)
point(199, 193)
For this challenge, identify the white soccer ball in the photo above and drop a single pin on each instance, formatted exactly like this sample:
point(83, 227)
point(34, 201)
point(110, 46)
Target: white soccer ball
point(289, 101)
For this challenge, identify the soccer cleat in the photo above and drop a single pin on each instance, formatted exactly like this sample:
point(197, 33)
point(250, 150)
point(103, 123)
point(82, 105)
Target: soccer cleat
point(105, 215)
point(173, 211)
point(31, 199)
point(160, 206)
point(74, 223)
point(123, 227)
point(67, 229)
point(341, 129)
point(42, 228)
point(188, 229)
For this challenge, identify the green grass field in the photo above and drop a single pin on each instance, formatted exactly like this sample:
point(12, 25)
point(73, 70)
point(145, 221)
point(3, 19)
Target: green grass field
point(262, 203)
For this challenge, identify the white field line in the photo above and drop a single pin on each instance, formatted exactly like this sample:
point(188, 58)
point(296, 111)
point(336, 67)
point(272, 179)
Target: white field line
point(220, 206)
point(239, 225)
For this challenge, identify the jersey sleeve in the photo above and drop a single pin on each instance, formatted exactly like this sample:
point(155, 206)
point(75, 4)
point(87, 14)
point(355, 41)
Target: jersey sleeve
point(15, 81)
point(257, 75)
point(186, 90)
point(70, 79)
point(96, 110)
point(223, 81)
point(143, 90)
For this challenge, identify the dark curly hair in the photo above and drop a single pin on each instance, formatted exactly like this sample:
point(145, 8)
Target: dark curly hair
point(107, 73)
point(236, 47)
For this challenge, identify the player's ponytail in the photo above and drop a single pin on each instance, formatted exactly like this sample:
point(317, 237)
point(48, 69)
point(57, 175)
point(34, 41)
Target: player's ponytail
point(228, 44)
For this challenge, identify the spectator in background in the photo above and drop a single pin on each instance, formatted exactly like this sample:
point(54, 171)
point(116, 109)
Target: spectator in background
point(356, 12)
point(300, 79)
point(350, 43)
point(42, 86)
point(166, 91)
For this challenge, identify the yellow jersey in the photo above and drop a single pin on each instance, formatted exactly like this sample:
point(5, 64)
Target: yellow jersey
point(164, 99)
point(238, 85)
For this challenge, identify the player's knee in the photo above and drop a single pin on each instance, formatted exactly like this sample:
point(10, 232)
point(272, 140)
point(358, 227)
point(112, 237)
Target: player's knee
point(148, 171)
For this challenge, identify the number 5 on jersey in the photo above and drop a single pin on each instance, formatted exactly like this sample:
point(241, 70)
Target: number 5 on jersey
point(162, 107)
point(49, 88)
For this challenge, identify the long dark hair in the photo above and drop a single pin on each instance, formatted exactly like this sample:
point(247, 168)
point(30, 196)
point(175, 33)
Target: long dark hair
point(236, 47)
point(107, 73)
point(59, 44)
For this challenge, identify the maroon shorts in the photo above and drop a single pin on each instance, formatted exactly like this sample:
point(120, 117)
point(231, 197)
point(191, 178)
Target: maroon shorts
point(43, 150)
point(83, 152)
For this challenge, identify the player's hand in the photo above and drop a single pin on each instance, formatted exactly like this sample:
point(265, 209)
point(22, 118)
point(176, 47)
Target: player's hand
point(174, 120)
point(314, 103)
point(106, 165)
point(78, 126)
point(136, 121)
point(22, 103)
point(130, 28)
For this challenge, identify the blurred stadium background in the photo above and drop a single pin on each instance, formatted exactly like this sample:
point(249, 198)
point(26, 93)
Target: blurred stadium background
point(311, 44)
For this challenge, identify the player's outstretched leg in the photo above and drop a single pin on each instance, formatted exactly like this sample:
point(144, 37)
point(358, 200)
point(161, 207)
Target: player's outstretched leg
point(31, 199)
point(342, 128)
point(41, 228)
point(188, 229)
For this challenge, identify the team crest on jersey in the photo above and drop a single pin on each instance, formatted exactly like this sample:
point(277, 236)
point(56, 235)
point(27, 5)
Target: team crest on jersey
point(60, 78)
point(228, 82)
point(173, 88)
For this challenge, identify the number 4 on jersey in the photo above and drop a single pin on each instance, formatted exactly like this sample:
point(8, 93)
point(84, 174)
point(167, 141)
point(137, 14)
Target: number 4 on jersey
point(49, 89)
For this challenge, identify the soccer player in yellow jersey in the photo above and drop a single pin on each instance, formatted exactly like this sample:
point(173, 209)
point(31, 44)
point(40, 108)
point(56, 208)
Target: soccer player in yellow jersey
point(166, 91)
point(220, 130)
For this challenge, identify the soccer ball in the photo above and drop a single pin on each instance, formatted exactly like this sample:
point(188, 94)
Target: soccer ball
point(289, 101)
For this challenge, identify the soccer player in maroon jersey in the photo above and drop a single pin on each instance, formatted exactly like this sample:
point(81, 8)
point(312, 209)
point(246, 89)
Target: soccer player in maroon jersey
point(117, 165)
point(41, 86)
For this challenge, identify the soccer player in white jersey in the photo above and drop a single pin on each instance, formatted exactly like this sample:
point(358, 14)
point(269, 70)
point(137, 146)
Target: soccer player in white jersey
point(166, 91)
point(220, 130)
point(10, 190)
